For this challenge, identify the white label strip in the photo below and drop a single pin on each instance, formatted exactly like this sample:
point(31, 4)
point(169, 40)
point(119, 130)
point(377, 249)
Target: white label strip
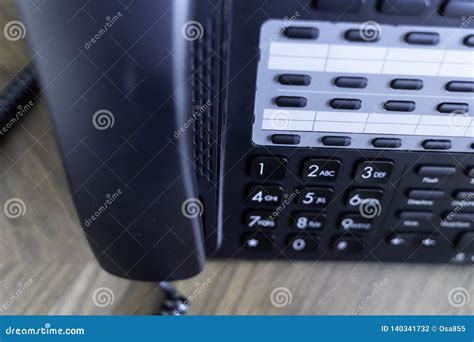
point(372, 60)
point(372, 123)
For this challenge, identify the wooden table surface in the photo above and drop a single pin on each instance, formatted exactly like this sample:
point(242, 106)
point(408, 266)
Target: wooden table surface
point(46, 266)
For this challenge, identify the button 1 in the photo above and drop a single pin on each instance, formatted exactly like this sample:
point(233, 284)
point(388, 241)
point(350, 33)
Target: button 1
point(258, 241)
point(336, 141)
point(321, 170)
point(285, 139)
point(315, 197)
point(399, 106)
point(436, 171)
point(372, 172)
point(432, 144)
point(346, 6)
point(302, 32)
point(406, 84)
point(460, 86)
point(348, 245)
point(448, 107)
point(303, 243)
point(370, 35)
point(350, 104)
point(387, 142)
point(469, 40)
point(422, 38)
point(309, 221)
point(403, 7)
point(355, 222)
point(358, 197)
point(260, 219)
point(268, 168)
point(458, 8)
point(295, 80)
point(291, 101)
point(351, 82)
point(265, 195)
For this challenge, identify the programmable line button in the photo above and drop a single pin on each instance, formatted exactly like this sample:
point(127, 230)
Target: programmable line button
point(458, 8)
point(406, 84)
point(286, 139)
point(430, 195)
point(469, 40)
point(291, 101)
point(387, 142)
point(422, 38)
point(450, 107)
point(432, 144)
point(365, 36)
point(299, 32)
point(295, 79)
point(349, 104)
point(460, 86)
point(351, 82)
point(399, 106)
point(336, 141)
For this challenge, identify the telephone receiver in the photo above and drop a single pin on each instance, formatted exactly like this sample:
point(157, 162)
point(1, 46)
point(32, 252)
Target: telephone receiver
point(311, 129)
point(121, 98)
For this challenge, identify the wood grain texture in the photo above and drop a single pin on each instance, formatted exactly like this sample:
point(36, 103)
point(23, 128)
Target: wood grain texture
point(46, 266)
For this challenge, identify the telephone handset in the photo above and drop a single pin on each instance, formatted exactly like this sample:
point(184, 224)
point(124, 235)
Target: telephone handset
point(313, 129)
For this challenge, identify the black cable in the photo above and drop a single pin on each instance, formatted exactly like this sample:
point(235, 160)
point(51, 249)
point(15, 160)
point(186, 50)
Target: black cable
point(175, 304)
point(18, 96)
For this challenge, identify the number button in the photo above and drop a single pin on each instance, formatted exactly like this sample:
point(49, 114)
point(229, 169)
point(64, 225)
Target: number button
point(265, 195)
point(298, 243)
point(269, 168)
point(355, 222)
point(260, 219)
point(320, 170)
point(309, 221)
point(359, 199)
point(372, 172)
point(315, 197)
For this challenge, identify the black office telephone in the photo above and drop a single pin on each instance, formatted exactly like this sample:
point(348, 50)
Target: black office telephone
point(313, 130)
